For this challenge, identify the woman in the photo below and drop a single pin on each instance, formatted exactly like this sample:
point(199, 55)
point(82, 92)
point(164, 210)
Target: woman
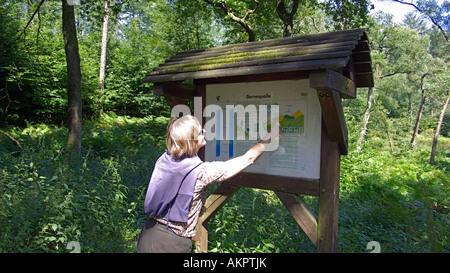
point(178, 187)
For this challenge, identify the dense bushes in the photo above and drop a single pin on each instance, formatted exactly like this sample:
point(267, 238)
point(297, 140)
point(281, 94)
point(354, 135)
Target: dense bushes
point(388, 191)
point(393, 199)
point(45, 202)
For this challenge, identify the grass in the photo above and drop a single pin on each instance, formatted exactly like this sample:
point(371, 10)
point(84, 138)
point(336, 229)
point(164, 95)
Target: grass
point(395, 198)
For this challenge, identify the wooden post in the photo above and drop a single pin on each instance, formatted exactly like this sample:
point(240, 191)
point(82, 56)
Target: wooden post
point(201, 237)
point(327, 229)
point(301, 213)
point(214, 202)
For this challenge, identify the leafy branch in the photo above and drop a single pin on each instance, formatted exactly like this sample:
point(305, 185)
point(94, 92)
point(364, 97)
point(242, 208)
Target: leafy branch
point(13, 139)
point(242, 21)
point(428, 15)
point(31, 19)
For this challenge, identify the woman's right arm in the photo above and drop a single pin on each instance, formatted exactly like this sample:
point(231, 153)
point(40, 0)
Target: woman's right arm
point(240, 163)
point(231, 167)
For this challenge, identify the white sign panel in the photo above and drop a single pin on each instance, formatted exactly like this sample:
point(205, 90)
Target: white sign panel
point(298, 154)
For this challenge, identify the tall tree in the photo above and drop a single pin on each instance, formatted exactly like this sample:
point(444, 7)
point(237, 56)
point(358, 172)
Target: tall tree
point(73, 79)
point(420, 112)
point(103, 54)
point(366, 119)
point(438, 128)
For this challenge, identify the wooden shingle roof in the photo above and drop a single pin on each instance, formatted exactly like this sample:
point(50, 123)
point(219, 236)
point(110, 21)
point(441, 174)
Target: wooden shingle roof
point(332, 50)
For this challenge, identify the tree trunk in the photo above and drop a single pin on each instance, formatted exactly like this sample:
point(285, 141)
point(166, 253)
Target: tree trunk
point(103, 56)
point(286, 17)
point(438, 128)
point(248, 28)
point(419, 116)
point(410, 111)
point(74, 78)
point(419, 113)
point(366, 119)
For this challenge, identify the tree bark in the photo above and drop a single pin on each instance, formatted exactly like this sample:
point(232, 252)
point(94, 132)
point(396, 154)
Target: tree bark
point(287, 17)
point(419, 117)
point(419, 113)
point(74, 79)
point(366, 119)
point(103, 56)
point(410, 109)
point(438, 128)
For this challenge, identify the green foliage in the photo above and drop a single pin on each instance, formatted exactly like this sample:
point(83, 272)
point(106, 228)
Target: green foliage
point(46, 203)
point(397, 199)
point(388, 192)
point(33, 73)
point(382, 199)
point(347, 14)
point(394, 198)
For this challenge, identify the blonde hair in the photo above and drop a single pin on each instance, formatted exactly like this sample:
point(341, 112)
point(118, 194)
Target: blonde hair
point(182, 135)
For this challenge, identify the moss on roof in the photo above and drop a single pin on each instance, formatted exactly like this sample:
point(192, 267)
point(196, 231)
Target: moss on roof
point(309, 52)
point(235, 56)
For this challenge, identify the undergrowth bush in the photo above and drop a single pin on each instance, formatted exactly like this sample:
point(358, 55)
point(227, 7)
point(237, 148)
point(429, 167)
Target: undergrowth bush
point(46, 202)
point(394, 197)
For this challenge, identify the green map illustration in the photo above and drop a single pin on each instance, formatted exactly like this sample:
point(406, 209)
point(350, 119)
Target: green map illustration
point(290, 124)
point(293, 124)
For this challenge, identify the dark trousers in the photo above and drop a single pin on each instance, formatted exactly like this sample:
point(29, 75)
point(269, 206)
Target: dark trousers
point(158, 238)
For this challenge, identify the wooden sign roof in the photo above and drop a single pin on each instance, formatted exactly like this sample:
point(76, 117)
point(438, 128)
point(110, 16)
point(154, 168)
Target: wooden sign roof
point(332, 50)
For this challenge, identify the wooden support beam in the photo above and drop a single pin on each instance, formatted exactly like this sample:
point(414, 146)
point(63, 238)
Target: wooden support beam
point(275, 76)
point(172, 101)
point(364, 79)
point(217, 199)
point(200, 91)
point(271, 182)
point(214, 202)
point(330, 79)
point(201, 237)
point(174, 89)
point(327, 228)
point(333, 116)
point(302, 214)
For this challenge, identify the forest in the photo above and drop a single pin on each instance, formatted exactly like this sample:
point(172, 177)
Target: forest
point(80, 132)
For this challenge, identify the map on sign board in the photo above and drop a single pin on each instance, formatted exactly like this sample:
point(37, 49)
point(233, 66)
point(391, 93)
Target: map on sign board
point(299, 113)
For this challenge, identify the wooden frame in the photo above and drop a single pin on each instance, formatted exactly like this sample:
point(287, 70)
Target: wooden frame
point(336, 64)
point(322, 229)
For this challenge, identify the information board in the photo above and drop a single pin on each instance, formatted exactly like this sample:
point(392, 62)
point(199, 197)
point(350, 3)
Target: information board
point(298, 153)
